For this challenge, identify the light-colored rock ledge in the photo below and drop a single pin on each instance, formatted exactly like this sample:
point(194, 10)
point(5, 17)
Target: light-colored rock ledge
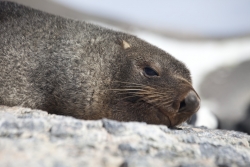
point(36, 138)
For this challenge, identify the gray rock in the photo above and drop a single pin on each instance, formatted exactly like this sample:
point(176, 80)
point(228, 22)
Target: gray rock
point(36, 138)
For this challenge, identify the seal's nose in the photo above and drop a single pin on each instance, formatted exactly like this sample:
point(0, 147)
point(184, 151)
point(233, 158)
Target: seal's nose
point(191, 103)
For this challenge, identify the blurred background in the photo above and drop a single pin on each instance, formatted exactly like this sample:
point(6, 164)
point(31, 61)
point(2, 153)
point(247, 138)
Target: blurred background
point(211, 37)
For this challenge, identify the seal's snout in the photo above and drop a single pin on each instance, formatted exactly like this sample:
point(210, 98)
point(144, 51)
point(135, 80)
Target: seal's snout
point(191, 103)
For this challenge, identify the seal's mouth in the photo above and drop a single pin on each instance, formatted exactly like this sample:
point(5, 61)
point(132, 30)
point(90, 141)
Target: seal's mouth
point(182, 110)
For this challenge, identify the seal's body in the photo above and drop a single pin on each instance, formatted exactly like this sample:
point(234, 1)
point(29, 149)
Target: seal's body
point(74, 68)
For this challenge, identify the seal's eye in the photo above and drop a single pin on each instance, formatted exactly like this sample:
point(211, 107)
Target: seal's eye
point(150, 72)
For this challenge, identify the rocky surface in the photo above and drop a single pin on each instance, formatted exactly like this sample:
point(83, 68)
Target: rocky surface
point(35, 138)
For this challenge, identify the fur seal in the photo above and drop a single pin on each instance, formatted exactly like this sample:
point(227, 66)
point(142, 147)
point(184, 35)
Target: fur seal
point(74, 68)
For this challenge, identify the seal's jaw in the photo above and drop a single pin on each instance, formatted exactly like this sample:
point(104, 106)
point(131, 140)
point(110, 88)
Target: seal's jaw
point(181, 110)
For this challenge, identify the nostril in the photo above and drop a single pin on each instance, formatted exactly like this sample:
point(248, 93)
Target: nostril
point(182, 104)
point(191, 102)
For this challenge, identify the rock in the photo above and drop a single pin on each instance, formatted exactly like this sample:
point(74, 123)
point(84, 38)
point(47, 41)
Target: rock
point(226, 90)
point(36, 138)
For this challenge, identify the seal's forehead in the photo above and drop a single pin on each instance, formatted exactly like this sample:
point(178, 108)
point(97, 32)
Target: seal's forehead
point(172, 65)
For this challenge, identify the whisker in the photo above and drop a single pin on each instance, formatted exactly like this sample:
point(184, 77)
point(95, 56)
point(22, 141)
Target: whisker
point(153, 89)
point(151, 101)
point(163, 99)
point(150, 96)
point(124, 93)
point(167, 102)
point(163, 105)
point(138, 91)
point(182, 79)
point(154, 99)
point(130, 83)
point(144, 93)
point(124, 89)
point(126, 97)
point(142, 86)
point(136, 84)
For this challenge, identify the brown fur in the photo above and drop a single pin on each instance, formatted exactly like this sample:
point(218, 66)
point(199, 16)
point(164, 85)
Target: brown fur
point(74, 68)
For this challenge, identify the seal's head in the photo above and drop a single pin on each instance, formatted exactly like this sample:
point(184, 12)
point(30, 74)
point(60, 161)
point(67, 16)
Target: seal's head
point(153, 87)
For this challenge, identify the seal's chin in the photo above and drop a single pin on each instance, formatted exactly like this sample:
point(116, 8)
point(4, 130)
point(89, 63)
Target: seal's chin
point(182, 110)
point(166, 114)
point(175, 117)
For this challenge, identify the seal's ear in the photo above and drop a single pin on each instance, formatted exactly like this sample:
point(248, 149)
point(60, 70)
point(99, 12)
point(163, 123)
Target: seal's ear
point(124, 44)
